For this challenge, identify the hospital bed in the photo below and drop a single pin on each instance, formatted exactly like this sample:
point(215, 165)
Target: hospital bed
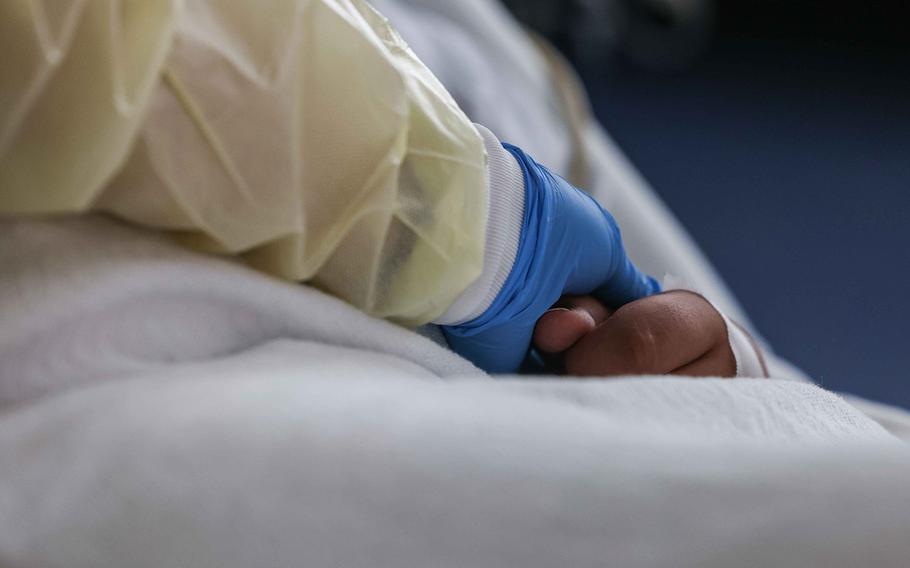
point(164, 408)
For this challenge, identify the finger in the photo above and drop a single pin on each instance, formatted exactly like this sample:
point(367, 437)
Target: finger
point(559, 328)
point(719, 362)
point(654, 335)
point(573, 318)
point(627, 284)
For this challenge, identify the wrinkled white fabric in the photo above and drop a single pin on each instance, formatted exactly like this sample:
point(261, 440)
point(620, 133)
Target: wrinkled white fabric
point(170, 410)
point(244, 463)
point(253, 423)
point(88, 298)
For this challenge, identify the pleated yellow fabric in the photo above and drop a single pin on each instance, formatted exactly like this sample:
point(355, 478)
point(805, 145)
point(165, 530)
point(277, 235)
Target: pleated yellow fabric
point(303, 136)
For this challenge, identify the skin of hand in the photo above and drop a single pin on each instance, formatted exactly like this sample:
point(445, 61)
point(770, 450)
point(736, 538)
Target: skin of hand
point(675, 333)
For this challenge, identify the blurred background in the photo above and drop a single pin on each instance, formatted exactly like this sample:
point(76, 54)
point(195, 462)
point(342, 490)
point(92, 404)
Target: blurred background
point(779, 132)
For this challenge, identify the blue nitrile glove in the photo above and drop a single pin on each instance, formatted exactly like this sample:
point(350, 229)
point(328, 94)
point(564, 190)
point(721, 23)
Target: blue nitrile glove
point(569, 245)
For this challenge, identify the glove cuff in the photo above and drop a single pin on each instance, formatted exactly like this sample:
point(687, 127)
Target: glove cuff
point(505, 212)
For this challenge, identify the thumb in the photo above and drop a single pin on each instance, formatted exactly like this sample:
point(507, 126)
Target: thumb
point(569, 320)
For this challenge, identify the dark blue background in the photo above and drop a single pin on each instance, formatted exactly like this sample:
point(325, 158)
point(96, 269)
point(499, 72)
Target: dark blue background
point(790, 165)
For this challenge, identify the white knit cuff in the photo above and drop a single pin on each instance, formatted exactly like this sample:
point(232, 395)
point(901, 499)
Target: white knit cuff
point(505, 213)
point(746, 352)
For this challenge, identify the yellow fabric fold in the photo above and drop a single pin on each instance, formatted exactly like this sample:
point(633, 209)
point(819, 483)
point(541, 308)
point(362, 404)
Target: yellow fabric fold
point(302, 136)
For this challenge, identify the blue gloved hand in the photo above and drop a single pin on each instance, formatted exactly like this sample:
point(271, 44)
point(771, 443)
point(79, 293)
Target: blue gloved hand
point(569, 245)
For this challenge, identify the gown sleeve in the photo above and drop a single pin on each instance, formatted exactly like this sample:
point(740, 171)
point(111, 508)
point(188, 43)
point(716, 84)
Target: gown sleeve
point(305, 138)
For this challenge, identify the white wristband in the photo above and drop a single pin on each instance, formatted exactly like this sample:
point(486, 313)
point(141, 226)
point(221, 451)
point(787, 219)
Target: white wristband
point(506, 193)
point(749, 360)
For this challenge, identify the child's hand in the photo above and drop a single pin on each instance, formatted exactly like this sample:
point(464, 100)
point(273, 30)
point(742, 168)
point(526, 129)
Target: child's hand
point(678, 333)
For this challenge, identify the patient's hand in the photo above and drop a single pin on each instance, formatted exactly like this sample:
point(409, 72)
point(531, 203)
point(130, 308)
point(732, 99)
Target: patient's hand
point(677, 333)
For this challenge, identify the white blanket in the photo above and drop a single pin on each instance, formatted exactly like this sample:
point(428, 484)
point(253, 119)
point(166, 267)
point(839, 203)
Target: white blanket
point(164, 409)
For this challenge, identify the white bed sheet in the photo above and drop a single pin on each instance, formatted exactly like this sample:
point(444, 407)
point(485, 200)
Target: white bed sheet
point(298, 453)
point(163, 409)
